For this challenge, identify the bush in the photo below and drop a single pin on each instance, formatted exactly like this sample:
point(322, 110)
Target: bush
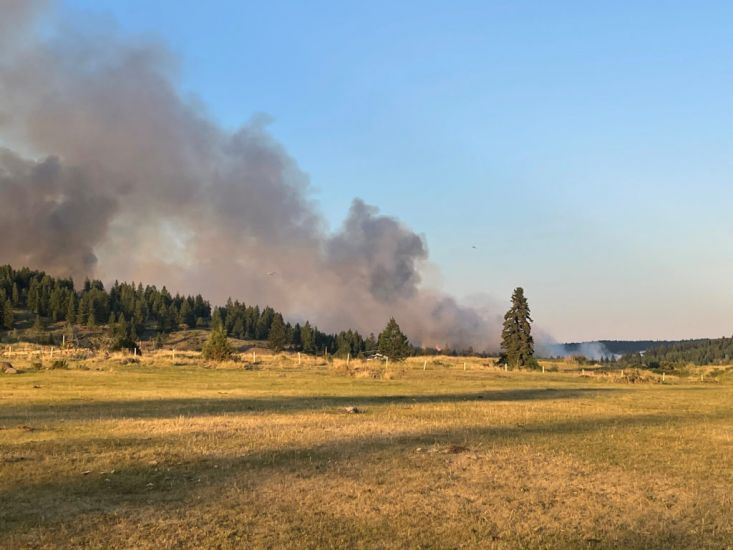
point(217, 347)
point(120, 343)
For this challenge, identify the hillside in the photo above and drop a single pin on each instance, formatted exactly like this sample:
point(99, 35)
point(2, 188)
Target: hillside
point(37, 307)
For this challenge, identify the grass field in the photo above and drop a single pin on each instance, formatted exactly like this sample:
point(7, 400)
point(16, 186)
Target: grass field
point(161, 456)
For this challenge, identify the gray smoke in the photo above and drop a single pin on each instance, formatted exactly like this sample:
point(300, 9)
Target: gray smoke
point(107, 171)
point(16, 15)
point(590, 350)
point(50, 215)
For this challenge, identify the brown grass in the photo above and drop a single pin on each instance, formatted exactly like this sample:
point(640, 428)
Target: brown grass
point(173, 452)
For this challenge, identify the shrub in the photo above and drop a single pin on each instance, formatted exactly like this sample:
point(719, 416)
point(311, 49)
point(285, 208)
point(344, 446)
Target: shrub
point(124, 343)
point(217, 347)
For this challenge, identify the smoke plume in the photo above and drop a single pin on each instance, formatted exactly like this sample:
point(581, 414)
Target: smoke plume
point(595, 351)
point(107, 171)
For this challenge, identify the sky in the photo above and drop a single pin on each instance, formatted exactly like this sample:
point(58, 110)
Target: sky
point(581, 150)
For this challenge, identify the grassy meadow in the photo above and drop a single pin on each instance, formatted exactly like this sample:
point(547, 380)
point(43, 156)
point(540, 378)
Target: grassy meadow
point(171, 452)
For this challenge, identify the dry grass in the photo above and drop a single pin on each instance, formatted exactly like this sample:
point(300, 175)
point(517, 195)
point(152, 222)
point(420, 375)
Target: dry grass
point(169, 453)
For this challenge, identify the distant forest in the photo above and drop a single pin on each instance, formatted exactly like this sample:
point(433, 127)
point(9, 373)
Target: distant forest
point(706, 351)
point(657, 353)
point(132, 312)
point(623, 347)
point(615, 347)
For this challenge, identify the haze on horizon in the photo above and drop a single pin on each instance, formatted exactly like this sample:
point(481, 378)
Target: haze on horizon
point(580, 151)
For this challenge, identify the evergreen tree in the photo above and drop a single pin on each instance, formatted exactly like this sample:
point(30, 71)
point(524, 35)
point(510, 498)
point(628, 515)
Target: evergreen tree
point(392, 342)
point(517, 344)
point(83, 310)
point(71, 308)
point(122, 338)
point(33, 297)
point(252, 314)
point(111, 322)
point(185, 316)
point(238, 328)
point(139, 313)
point(171, 319)
point(217, 347)
point(343, 346)
point(91, 318)
point(278, 335)
point(307, 338)
point(159, 341)
point(38, 325)
point(8, 315)
point(264, 323)
point(370, 344)
point(216, 321)
point(295, 340)
point(55, 303)
point(69, 334)
point(121, 329)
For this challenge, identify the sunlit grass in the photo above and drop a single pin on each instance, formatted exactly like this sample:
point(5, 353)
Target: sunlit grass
point(172, 452)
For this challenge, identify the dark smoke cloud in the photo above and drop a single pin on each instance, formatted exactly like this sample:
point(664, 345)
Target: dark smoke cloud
point(136, 183)
point(51, 215)
point(378, 252)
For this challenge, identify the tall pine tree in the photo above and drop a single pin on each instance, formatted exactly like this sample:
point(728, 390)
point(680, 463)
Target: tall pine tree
point(517, 344)
point(278, 335)
point(308, 338)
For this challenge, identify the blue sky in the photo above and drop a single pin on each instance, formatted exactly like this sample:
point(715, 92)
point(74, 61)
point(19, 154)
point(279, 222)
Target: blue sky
point(584, 148)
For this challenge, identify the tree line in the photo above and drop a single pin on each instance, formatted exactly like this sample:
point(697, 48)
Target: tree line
point(55, 299)
point(132, 311)
point(705, 351)
point(248, 322)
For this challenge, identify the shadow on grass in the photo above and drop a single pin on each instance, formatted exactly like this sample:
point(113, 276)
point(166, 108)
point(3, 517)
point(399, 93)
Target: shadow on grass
point(173, 480)
point(203, 406)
